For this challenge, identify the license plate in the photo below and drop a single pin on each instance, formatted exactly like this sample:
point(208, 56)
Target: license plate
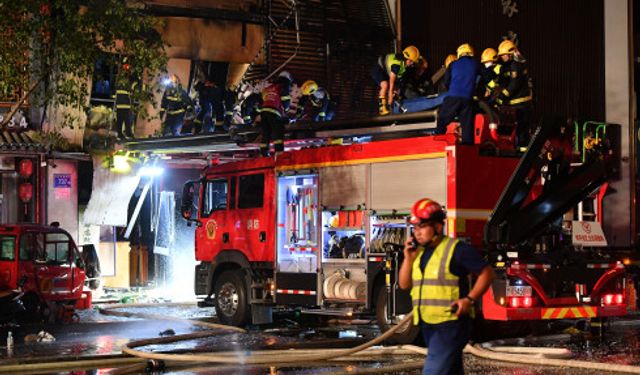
point(519, 291)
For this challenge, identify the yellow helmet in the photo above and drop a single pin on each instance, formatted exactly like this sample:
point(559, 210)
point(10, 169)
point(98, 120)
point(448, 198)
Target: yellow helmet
point(506, 48)
point(489, 55)
point(449, 59)
point(309, 87)
point(465, 50)
point(411, 53)
point(334, 221)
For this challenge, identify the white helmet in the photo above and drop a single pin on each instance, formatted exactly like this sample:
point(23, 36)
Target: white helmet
point(286, 75)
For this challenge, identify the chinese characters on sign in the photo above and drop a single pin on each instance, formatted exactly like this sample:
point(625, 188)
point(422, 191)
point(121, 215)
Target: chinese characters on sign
point(509, 7)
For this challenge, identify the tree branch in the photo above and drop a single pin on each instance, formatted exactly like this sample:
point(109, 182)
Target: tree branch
point(20, 102)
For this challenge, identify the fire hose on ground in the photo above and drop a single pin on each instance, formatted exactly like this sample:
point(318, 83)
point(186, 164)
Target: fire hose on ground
point(540, 356)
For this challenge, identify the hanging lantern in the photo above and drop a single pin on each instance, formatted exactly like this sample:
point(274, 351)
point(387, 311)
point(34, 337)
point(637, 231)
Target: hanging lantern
point(25, 192)
point(25, 168)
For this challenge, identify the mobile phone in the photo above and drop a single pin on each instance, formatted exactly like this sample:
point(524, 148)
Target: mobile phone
point(414, 241)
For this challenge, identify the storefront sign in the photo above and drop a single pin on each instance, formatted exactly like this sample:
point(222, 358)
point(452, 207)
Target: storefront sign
point(62, 180)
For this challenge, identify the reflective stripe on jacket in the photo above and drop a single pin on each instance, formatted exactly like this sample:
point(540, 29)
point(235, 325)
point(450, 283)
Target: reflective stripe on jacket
point(387, 63)
point(435, 288)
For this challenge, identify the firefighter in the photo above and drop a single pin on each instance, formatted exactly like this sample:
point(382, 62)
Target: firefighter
point(125, 85)
point(418, 83)
point(515, 90)
point(175, 104)
point(250, 108)
point(388, 71)
point(275, 104)
point(436, 268)
point(460, 79)
point(322, 108)
point(229, 102)
point(488, 72)
point(208, 96)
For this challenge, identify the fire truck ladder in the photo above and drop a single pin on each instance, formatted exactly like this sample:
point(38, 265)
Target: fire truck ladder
point(298, 134)
point(515, 218)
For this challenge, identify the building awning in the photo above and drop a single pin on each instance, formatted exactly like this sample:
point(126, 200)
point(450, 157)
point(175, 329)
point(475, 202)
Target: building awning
point(12, 141)
point(110, 196)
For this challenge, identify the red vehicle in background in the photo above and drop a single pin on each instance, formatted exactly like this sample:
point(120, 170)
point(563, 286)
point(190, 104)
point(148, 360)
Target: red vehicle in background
point(41, 269)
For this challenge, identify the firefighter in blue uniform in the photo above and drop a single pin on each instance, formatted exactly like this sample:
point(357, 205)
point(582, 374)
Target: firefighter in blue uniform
point(174, 106)
point(436, 268)
point(388, 71)
point(125, 85)
point(322, 109)
point(460, 78)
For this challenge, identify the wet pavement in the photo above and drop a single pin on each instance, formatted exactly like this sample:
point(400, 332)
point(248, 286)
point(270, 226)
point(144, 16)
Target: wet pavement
point(101, 336)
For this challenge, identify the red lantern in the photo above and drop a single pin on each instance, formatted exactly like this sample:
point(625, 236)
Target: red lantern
point(25, 192)
point(25, 168)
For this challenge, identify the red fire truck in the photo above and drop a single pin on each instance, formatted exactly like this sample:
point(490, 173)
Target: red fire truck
point(41, 267)
point(322, 228)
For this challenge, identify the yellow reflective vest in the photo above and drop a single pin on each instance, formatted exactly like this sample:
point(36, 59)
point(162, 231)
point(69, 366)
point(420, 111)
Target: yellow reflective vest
point(435, 288)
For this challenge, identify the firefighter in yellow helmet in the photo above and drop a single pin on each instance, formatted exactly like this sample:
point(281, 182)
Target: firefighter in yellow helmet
point(388, 70)
point(488, 72)
point(515, 89)
point(449, 59)
point(322, 108)
point(174, 105)
point(436, 269)
point(418, 82)
point(460, 79)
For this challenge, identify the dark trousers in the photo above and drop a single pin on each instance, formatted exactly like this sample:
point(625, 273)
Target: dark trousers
point(173, 124)
point(523, 124)
point(124, 122)
point(452, 107)
point(272, 130)
point(205, 120)
point(445, 342)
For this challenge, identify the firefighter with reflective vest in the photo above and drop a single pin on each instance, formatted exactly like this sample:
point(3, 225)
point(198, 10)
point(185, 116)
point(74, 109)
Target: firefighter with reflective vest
point(488, 72)
point(388, 71)
point(174, 106)
point(515, 90)
point(436, 269)
point(275, 104)
point(125, 85)
point(322, 109)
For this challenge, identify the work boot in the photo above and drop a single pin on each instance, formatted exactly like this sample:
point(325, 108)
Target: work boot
point(384, 108)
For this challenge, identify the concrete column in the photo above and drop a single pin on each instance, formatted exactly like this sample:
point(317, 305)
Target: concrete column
point(618, 224)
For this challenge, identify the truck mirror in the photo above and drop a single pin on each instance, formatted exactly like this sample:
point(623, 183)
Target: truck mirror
point(187, 208)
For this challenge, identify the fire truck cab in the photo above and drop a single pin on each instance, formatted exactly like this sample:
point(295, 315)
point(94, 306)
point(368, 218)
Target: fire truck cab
point(44, 263)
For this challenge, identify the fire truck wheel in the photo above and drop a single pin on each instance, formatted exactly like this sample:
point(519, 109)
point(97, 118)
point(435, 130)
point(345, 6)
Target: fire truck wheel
point(405, 335)
point(232, 307)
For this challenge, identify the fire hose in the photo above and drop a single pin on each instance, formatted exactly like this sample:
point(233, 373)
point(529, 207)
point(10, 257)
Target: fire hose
point(539, 356)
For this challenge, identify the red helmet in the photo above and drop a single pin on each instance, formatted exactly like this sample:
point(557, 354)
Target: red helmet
point(426, 209)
